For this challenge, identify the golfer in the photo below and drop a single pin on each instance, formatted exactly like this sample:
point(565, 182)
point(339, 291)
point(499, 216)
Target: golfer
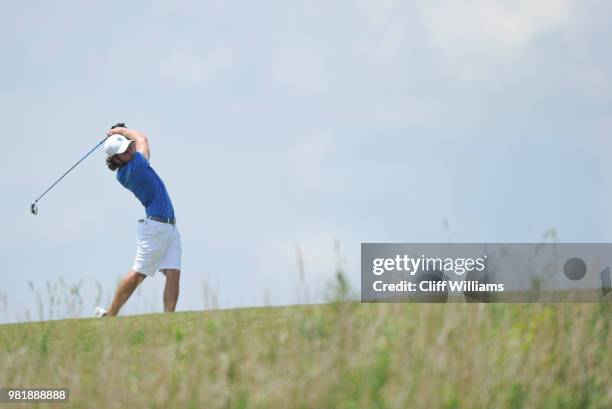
point(159, 241)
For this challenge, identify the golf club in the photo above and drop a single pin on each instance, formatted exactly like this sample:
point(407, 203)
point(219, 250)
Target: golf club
point(34, 205)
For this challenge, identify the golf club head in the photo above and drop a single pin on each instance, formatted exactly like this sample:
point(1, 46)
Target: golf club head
point(34, 208)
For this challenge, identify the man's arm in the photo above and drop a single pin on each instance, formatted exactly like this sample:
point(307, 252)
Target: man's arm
point(140, 140)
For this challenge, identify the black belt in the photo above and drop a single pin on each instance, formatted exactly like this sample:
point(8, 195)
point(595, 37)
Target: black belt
point(162, 219)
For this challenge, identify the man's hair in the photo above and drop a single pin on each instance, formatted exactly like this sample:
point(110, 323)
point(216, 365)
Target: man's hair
point(111, 165)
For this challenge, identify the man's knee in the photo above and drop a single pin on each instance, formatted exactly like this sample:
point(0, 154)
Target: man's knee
point(171, 274)
point(135, 276)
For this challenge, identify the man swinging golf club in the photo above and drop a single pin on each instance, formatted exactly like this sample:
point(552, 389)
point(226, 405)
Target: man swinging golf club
point(159, 241)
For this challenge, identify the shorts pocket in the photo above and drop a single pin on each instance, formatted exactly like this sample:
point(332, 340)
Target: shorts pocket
point(148, 231)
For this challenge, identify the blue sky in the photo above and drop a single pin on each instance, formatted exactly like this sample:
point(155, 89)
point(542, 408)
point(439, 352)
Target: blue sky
point(284, 124)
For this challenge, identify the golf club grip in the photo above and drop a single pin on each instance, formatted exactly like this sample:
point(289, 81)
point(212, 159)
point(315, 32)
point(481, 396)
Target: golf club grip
point(118, 125)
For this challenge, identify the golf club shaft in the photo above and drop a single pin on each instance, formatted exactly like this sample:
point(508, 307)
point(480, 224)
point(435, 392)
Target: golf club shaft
point(68, 171)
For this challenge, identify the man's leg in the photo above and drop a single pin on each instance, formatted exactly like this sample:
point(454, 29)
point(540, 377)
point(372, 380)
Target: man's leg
point(126, 287)
point(171, 291)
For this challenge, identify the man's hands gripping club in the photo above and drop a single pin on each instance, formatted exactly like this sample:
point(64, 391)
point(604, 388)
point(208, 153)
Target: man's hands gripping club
point(140, 140)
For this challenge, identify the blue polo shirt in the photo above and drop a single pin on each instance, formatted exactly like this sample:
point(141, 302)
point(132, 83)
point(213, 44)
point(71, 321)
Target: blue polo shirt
point(139, 177)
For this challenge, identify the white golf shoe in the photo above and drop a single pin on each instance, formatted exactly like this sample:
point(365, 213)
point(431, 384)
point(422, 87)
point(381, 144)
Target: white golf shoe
point(100, 312)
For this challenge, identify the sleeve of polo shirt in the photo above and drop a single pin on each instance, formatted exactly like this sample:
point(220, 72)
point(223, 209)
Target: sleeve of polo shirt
point(139, 161)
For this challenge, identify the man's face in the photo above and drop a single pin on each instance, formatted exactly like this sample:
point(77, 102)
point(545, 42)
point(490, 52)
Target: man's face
point(121, 159)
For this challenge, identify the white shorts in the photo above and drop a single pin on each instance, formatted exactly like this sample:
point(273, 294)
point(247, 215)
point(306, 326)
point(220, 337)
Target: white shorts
point(159, 247)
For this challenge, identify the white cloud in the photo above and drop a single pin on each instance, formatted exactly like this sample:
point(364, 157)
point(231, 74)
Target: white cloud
point(475, 31)
point(473, 35)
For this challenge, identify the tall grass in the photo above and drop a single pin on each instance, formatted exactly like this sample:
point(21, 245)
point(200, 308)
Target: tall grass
point(338, 355)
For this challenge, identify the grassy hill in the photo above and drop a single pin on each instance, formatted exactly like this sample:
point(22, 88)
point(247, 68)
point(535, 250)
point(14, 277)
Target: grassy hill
point(343, 355)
